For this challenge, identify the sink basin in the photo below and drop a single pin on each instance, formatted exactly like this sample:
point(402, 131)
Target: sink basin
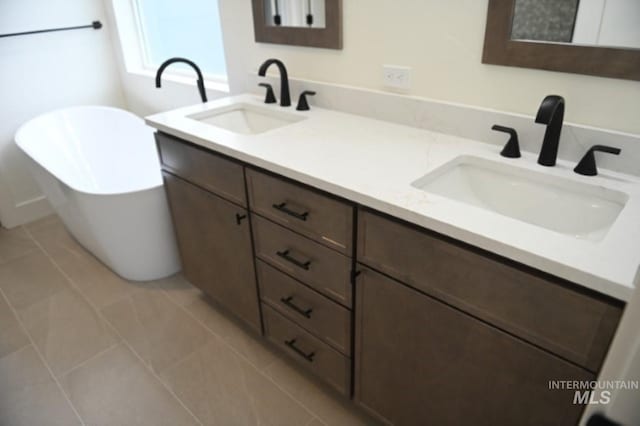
point(246, 118)
point(573, 208)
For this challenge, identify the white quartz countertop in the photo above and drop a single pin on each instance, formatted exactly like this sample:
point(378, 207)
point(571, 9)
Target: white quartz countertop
point(373, 163)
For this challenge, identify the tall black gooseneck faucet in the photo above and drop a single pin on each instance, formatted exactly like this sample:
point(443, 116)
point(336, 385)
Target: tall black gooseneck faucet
point(285, 98)
point(165, 64)
point(551, 113)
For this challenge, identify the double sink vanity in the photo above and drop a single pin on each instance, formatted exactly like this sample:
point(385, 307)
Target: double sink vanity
point(421, 274)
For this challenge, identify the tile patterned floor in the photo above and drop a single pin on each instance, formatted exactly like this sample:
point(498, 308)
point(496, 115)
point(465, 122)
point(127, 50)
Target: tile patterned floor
point(82, 346)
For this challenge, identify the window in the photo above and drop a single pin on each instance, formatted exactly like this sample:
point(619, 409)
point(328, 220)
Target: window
point(169, 28)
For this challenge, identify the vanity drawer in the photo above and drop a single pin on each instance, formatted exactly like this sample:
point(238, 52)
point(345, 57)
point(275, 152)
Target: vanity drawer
point(313, 354)
point(324, 318)
point(324, 269)
point(308, 212)
point(549, 312)
point(206, 169)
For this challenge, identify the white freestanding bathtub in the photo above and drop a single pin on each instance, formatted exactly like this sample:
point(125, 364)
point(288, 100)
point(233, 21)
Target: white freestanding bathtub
point(99, 169)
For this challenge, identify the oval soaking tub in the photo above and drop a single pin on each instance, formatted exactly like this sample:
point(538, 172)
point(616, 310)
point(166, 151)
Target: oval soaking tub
point(99, 169)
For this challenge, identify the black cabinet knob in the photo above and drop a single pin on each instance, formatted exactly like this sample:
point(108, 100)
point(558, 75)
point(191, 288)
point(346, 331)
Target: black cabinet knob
point(240, 217)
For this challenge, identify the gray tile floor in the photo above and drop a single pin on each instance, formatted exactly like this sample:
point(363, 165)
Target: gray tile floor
point(79, 345)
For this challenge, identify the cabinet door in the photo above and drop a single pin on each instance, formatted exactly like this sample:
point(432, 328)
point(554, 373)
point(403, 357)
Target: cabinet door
point(202, 167)
point(214, 240)
point(543, 310)
point(419, 361)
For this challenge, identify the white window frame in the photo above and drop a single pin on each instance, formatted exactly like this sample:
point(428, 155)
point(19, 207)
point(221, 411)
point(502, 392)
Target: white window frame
point(133, 42)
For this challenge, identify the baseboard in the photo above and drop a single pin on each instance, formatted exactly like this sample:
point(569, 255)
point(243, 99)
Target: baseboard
point(26, 212)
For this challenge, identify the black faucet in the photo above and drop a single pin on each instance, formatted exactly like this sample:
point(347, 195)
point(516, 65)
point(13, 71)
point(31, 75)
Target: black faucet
point(203, 94)
point(285, 98)
point(551, 113)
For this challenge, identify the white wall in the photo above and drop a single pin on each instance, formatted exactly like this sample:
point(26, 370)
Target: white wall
point(42, 72)
point(441, 40)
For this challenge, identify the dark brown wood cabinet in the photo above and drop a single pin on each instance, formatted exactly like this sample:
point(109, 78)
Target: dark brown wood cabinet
point(571, 322)
point(314, 312)
point(305, 235)
point(214, 239)
point(445, 334)
point(421, 362)
point(326, 270)
point(311, 353)
point(314, 215)
point(465, 337)
point(203, 168)
point(303, 243)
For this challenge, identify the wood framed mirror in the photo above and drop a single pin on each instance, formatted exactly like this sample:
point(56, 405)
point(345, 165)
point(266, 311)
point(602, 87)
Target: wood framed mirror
point(502, 48)
point(312, 23)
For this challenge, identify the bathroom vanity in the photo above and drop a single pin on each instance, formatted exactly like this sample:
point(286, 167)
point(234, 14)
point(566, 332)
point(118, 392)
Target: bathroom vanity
point(414, 318)
point(303, 245)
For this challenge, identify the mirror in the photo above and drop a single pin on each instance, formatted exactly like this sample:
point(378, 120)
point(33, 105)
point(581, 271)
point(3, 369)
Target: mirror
point(594, 37)
point(315, 23)
point(613, 23)
point(294, 13)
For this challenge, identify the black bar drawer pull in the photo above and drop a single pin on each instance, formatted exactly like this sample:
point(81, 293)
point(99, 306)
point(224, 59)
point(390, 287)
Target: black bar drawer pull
point(283, 208)
point(240, 217)
point(286, 256)
point(289, 302)
point(292, 344)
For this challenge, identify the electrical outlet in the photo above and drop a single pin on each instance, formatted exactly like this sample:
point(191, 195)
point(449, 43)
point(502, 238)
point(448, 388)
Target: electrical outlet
point(396, 77)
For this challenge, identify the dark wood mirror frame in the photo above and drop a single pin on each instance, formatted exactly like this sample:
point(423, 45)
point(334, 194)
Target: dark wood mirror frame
point(499, 49)
point(329, 37)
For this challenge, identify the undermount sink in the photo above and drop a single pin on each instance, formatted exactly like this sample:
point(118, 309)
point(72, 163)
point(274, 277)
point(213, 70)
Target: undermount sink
point(246, 118)
point(573, 208)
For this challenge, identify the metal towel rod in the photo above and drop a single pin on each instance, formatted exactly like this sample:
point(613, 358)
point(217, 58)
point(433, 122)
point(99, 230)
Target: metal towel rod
point(96, 25)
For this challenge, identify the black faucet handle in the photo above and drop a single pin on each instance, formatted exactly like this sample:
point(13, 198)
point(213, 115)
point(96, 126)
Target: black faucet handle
point(269, 98)
point(587, 166)
point(303, 105)
point(512, 148)
point(608, 149)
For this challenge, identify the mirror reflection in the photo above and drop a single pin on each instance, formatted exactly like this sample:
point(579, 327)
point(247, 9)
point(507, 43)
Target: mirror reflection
point(295, 13)
point(606, 23)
